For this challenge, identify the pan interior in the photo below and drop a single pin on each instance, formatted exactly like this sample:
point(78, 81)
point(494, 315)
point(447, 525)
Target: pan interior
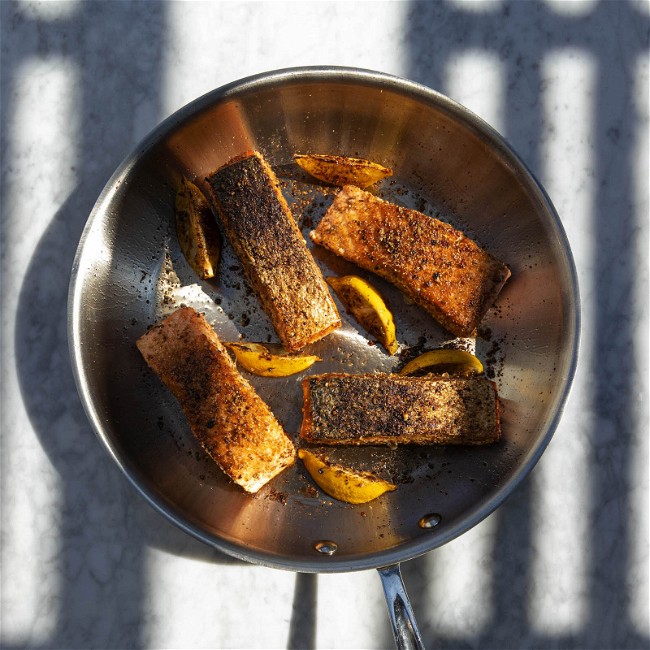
point(129, 273)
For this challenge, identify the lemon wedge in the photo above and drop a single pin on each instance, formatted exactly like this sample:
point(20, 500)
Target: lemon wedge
point(343, 483)
point(454, 362)
point(341, 170)
point(366, 305)
point(197, 231)
point(257, 359)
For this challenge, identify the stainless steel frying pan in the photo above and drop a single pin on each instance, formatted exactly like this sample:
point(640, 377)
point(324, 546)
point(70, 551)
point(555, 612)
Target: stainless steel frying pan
point(129, 272)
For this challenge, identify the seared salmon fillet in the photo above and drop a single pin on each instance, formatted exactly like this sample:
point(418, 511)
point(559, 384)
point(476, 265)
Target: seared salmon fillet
point(437, 266)
point(230, 420)
point(275, 258)
point(383, 409)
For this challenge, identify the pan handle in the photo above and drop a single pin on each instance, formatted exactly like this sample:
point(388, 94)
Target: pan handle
point(405, 629)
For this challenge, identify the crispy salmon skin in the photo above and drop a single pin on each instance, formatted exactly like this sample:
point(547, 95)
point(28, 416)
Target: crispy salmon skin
point(384, 409)
point(276, 261)
point(230, 420)
point(437, 266)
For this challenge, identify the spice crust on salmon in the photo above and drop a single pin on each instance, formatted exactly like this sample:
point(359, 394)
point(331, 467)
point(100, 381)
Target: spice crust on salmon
point(385, 409)
point(227, 416)
point(277, 263)
point(437, 266)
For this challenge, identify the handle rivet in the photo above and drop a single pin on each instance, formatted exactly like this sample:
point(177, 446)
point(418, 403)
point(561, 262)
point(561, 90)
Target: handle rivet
point(430, 521)
point(326, 547)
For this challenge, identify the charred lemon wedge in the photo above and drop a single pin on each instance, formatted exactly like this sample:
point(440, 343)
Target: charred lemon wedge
point(341, 170)
point(259, 360)
point(363, 301)
point(343, 483)
point(197, 231)
point(454, 362)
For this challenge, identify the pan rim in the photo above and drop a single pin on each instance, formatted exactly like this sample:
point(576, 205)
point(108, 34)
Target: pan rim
point(320, 74)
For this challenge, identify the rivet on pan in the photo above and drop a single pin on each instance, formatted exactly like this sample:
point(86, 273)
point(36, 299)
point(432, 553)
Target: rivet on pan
point(430, 521)
point(326, 547)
